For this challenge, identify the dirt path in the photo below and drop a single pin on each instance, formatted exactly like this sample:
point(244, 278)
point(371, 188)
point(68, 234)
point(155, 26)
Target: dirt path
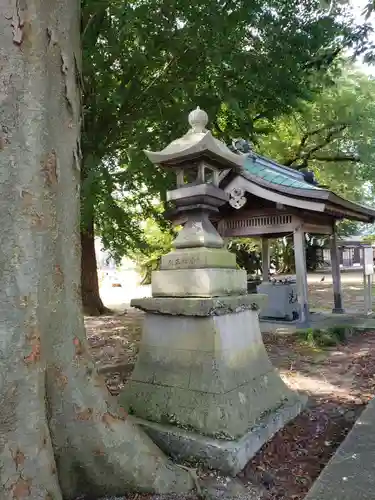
point(339, 382)
point(114, 345)
point(321, 296)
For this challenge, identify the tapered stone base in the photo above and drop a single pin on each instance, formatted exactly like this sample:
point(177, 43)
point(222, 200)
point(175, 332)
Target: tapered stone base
point(230, 457)
point(209, 374)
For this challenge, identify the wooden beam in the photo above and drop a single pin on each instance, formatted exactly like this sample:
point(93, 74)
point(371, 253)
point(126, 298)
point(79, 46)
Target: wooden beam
point(260, 225)
point(339, 213)
point(301, 272)
point(266, 194)
point(256, 232)
point(336, 275)
point(265, 259)
point(317, 228)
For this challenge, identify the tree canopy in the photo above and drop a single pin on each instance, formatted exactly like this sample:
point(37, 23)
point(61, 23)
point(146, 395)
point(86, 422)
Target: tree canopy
point(146, 64)
point(332, 135)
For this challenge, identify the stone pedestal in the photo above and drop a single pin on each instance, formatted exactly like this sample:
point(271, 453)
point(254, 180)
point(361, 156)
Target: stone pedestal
point(198, 282)
point(203, 386)
point(282, 303)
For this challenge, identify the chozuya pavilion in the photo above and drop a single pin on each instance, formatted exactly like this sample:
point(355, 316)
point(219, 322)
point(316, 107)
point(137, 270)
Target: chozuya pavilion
point(203, 386)
point(270, 200)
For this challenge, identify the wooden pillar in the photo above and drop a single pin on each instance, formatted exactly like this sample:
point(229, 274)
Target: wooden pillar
point(301, 272)
point(336, 276)
point(368, 270)
point(265, 259)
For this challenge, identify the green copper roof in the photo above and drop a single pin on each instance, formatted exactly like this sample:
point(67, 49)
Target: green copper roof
point(276, 174)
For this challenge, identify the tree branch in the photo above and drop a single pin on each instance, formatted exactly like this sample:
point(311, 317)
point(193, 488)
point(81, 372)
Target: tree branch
point(329, 137)
point(259, 116)
point(215, 123)
point(300, 166)
point(350, 158)
point(331, 131)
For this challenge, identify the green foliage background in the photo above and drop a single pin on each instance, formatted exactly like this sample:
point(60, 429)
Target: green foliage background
point(270, 71)
point(147, 63)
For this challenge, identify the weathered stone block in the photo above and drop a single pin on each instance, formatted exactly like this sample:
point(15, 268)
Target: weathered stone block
point(229, 456)
point(205, 373)
point(198, 282)
point(198, 258)
point(215, 371)
point(282, 301)
point(155, 400)
point(177, 333)
point(198, 231)
point(163, 366)
point(200, 306)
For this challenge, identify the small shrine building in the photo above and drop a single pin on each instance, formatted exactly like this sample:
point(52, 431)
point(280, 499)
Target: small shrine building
point(268, 200)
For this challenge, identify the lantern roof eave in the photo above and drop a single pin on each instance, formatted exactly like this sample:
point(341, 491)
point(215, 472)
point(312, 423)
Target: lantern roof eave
point(193, 145)
point(198, 141)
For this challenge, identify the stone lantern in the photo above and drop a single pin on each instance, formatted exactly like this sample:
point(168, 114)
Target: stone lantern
point(203, 386)
point(199, 266)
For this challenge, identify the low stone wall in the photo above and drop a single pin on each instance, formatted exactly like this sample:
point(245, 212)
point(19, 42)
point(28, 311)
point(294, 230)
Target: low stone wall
point(350, 474)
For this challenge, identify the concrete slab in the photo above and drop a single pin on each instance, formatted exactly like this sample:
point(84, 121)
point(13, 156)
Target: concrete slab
point(319, 319)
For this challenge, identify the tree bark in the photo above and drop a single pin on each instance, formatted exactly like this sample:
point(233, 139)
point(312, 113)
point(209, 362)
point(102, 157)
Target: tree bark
point(91, 300)
point(60, 435)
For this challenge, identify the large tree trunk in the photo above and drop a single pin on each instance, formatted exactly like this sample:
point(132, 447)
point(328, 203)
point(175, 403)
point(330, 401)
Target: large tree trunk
point(59, 434)
point(92, 303)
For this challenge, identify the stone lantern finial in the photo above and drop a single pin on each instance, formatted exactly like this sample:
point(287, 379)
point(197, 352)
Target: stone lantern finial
point(196, 143)
point(198, 120)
